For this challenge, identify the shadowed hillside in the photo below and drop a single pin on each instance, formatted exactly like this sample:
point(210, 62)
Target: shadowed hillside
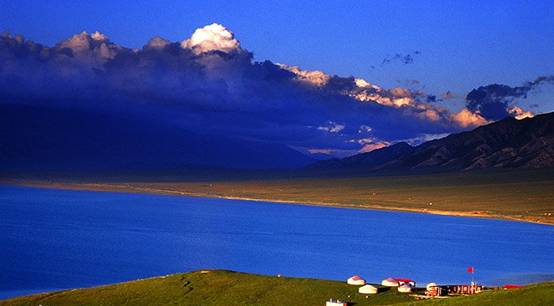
point(38, 139)
point(509, 143)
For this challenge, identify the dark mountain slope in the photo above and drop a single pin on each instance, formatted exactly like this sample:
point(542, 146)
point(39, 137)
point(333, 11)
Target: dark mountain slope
point(44, 139)
point(509, 143)
point(366, 161)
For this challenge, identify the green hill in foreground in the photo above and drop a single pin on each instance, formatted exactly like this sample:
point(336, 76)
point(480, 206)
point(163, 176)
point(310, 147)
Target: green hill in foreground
point(233, 288)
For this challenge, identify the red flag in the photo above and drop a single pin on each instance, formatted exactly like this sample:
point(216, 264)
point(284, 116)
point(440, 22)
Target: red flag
point(470, 269)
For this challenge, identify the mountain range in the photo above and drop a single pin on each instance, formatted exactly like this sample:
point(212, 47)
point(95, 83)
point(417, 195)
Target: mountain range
point(508, 143)
point(42, 140)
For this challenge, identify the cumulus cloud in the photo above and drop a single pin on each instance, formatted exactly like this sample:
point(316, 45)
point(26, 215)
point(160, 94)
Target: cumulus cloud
point(157, 43)
point(209, 85)
point(95, 49)
point(497, 101)
point(411, 102)
point(492, 101)
point(518, 113)
point(367, 92)
point(315, 77)
point(466, 118)
point(213, 37)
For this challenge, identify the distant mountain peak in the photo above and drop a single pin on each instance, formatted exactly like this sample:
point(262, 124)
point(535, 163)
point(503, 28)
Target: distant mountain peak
point(508, 143)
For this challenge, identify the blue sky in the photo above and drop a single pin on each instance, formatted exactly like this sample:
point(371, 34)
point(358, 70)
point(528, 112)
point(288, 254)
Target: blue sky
point(463, 44)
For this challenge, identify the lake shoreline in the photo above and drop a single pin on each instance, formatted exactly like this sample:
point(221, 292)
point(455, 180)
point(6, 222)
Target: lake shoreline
point(126, 188)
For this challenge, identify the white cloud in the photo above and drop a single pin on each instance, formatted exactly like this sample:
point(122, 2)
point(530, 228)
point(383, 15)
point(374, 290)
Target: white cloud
point(363, 141)
point(364, 129)
point(419, 139)
point(362, 83)
point(99, 36)
point(313, 77)
point(519, 113)
point(395, 97)
point(322, 151)
point(333, 127)
point(211, 37)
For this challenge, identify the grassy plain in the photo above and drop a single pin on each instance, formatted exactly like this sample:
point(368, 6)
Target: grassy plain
point(232, 288)
point(526, 195)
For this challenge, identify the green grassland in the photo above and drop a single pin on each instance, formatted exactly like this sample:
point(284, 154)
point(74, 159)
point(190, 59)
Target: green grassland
point(526, 195)
point(232, 288)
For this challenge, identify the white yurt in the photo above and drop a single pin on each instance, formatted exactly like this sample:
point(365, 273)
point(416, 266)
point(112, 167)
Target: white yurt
point(368, 289)
point(430, 285)
point(405, 288)
point(390, 282)
point(356, 281)
point(405, 281)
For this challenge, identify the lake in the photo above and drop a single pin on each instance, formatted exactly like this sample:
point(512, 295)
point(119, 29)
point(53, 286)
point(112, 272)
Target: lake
point(56, 239)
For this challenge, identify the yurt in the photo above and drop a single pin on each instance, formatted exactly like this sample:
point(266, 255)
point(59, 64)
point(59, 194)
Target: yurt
point(407, 281)
point(390, 282)
point(356, 281)
point(367, 289)
point(335, 303)
point(405, 288)
point(433, 290)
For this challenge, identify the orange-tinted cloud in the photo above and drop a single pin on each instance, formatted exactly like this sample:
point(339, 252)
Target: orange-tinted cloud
point(373, 146)
point(465, 118)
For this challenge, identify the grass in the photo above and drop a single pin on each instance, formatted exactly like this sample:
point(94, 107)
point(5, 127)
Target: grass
point(233, 288)
point(526, 195)
point(538, 294)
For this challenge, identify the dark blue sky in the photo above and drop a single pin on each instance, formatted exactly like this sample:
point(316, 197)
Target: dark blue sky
point(463, 44)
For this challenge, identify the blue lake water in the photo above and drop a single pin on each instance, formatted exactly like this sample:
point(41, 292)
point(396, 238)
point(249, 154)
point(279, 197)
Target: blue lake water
point(56, 239)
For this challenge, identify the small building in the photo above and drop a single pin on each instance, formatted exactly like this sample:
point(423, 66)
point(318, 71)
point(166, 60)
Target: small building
point(433, 290)
point(407, 281)
point(368, 289)
point(335, 303)
point(356, 281)
point(404, 288)
point(465, 289)
point(390, 282)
